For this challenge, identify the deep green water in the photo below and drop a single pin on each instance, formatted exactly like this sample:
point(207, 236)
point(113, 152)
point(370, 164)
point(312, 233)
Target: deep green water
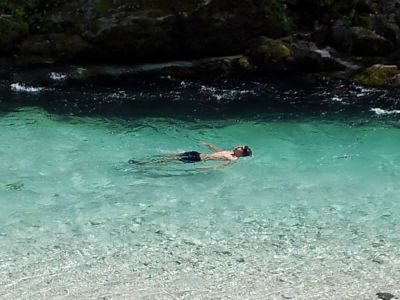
point(314, 214)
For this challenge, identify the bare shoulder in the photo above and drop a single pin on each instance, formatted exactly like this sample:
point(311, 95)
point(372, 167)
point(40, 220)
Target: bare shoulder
point(228, 155)
point(220, 155)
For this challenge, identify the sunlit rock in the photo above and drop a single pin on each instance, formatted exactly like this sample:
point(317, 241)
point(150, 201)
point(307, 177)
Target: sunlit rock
point(380, 76)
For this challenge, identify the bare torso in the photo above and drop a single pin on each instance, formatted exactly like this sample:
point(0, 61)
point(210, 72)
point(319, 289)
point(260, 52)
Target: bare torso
point(220, 155)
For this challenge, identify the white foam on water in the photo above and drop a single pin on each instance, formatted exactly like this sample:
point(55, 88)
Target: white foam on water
point(58, 76)
point(380, 111)
point(21, 87)
point(224, 94)
point(337, 99)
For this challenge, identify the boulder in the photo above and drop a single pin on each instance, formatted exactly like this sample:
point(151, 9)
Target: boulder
point(367, 43)
point(379, 76)
point(309, 58)
point(271, 55)
point(297, 57)
point(358, 40)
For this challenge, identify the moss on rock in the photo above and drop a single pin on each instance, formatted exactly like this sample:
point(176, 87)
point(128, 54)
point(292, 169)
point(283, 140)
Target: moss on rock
point(243, 62)
point(379, 76)
point(270, 53)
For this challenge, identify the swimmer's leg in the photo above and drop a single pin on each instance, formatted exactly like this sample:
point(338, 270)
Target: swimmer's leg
point(162, 159)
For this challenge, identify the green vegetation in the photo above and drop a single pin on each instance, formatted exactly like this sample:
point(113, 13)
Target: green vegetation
point(13, 8)
point(30, 11)
point(281, 12)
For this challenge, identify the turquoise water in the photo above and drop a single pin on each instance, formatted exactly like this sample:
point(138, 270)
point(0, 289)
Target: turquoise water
point(314, 214)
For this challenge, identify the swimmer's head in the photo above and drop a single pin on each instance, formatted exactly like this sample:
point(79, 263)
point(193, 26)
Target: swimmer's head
point(242, 150)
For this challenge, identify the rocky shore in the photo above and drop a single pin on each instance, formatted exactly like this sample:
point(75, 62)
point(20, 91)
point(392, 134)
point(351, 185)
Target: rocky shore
point(356, 40)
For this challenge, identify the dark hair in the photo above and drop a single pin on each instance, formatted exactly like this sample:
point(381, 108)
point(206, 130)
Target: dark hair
point(247, 151)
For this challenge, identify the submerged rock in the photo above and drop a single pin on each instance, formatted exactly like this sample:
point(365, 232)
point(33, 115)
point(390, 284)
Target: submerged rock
point(379, 76)
point(15, 186)
point(384, 296)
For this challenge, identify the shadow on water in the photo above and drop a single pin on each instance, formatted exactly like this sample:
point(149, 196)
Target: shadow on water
point(190, 100)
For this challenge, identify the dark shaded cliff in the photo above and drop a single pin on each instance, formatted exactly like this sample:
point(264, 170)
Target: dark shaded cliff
point(285, 36)
point(136, 31)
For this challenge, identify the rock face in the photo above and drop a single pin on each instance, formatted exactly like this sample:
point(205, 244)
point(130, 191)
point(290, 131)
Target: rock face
point(366, 42)
point(136, 31)
point(275, 36)
point(11, 32)
point(291, 57)
point(57, 46)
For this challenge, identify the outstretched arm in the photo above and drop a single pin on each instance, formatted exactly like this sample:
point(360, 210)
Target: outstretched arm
point(209, 146)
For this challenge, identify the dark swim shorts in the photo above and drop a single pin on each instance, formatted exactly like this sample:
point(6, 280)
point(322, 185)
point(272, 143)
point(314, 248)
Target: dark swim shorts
point(189, 157)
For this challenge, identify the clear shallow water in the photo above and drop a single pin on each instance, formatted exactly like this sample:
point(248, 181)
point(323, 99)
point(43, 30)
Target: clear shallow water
point(312, 215)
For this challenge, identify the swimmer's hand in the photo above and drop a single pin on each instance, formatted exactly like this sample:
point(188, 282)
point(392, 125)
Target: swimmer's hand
point(209, 146)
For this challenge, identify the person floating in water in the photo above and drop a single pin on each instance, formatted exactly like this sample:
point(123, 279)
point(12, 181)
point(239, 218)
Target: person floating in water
point(228, 156)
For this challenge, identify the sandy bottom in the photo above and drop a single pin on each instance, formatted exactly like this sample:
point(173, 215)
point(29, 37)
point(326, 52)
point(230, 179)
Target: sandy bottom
point(265, 259)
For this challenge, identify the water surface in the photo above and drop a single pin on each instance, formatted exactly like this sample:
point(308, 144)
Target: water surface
point(312, 215)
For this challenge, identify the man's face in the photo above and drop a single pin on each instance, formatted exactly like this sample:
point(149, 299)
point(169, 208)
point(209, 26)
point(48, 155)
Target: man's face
point(238, 151)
